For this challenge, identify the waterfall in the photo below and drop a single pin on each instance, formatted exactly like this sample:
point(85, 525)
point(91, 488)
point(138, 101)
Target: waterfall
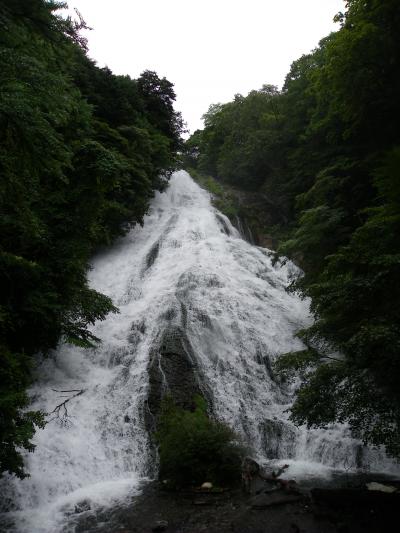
point(185, 277)
point(244, 230)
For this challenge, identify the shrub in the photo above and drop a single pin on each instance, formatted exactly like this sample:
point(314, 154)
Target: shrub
point(194, 449)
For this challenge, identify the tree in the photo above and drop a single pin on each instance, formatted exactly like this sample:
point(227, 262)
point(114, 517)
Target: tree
point(194, 449)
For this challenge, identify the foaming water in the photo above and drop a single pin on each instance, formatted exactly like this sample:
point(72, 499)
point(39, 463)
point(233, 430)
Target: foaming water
point(186, 269)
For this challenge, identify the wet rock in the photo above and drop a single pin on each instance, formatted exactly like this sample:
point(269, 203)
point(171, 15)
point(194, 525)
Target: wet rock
point(381, 487)
point(161, 525)
point(355, 498)
point(243, 228)
point(355, 501)
point(357, 510)
point(202, 318)
point(214, 282)
point(279, 438)
point(202, 502)
point(263, 358)
point(170, 314)
point(152, 255)
point(223, 224)
point(263, 501)
point(138, 329)
point(82, 506)
point(268, 486)
point(88, 522)
point(251, 475)
point(229, 511)
point(173, 371)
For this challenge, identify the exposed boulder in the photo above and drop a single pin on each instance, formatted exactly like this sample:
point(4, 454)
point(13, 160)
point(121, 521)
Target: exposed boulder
point(381, 487)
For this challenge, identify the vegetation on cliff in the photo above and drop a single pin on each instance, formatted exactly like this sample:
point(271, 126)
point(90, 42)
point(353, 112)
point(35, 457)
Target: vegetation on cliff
point(81, 153)
point(326, 150)
point(194, 449)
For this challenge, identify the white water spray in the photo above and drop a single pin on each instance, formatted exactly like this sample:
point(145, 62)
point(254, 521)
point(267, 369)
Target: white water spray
point(189, 268)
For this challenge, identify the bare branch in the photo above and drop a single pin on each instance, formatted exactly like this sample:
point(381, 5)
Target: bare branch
point(60, 412)
point(70, 390)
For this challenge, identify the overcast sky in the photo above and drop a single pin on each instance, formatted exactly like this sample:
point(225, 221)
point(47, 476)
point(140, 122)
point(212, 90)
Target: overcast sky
point(209, 49)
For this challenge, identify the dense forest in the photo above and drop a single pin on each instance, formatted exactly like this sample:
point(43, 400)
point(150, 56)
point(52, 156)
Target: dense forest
point(326, 150)
point(81, 154)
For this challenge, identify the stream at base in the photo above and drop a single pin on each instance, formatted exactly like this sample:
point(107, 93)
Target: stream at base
point(186, 272)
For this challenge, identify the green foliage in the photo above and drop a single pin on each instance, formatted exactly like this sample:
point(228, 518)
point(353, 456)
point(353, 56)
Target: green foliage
point(81, 153)
point(292, 364)
point(234, 146)
point(194, 449)
point(325, 150)
point(222, 198)
point(16, 426)
point(213, 186)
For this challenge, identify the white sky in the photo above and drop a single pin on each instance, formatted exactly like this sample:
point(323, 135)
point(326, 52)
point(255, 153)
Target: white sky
point(210, 50)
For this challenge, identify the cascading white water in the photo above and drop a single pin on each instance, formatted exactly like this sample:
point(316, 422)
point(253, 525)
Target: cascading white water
point(186, 267)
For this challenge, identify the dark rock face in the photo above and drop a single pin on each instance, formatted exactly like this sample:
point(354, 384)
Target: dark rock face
point(224, 226)
point(82, 506)
point(172, 371)
point(279, 439)
point(153, 254)
point(256, 212)
point(138, 329)
point(244, 229)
